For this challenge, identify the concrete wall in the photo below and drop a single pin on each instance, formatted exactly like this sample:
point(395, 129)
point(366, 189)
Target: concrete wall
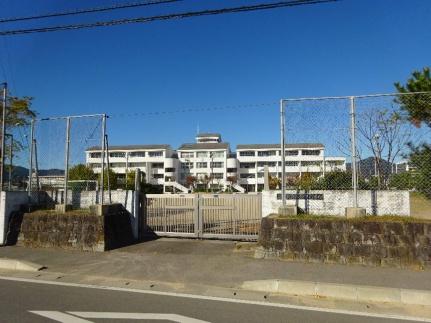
point(76, 230)
point(399, 244)
point(83, 200)
point(9, 202)
point(334, 202)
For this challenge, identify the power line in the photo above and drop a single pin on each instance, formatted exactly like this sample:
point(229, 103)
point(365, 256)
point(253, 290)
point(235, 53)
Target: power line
point(88, 10)
point(265, 6)
point(190, 110)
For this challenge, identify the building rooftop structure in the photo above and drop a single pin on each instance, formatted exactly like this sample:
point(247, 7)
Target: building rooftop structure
point(131, 147)
point(206, 145)
point(277, 146)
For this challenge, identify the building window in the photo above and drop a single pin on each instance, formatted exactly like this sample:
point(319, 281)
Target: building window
point(136, 164)
point(170, 170)
point(201, 165)
point(311, 152)
point(218, 175)
point(187, 165)
point(247, 153)
point(291, 152)
point(247, 165)
point(117, 155)
point(231, 170)
point(217, 154)
point(266, 153)
point(311, 163)
point(216, 164)
point(247, 175)
point(335, 163)
point(157, 165)
point(117, 165)
point(187, 155)
point(201, 154)
point(157, 176)
point(95, 155)
point(269, 164)
point(155, 153)
point(201, 176)
point(289, 163)
point(137, 154)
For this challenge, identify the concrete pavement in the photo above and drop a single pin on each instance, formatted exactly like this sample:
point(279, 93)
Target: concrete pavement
point(32, 301)
point(215, 263)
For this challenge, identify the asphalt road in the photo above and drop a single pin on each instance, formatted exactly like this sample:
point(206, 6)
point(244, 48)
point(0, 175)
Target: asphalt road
point(19, 299)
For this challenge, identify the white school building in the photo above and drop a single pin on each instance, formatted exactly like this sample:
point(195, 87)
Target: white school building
point(209, 162)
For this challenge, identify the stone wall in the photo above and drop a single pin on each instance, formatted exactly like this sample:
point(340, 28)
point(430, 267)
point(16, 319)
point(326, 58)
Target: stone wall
point(334, 202)
point(84, 199)
point(375, 243)
point(76, 230)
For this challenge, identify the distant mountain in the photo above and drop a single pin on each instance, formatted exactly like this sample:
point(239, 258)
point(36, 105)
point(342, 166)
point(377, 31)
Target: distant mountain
point(20, 172)
point(366, 167)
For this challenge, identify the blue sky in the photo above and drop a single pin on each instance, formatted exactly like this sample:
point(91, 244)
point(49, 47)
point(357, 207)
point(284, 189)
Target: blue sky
point(343, 48)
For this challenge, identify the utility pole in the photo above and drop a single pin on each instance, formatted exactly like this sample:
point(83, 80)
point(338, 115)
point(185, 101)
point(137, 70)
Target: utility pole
point(10, 162)
point(3, 132)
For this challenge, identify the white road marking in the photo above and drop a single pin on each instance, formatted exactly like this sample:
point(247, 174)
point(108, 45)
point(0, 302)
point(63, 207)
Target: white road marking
point(223, 299)
point(67, 318)
point(60, 317)
point(138, 316)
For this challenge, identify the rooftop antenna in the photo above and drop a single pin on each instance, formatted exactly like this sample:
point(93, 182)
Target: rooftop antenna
point(197, 129)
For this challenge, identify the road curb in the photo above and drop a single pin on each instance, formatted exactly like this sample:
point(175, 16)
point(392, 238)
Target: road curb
point(350, 292)
point(13, 264)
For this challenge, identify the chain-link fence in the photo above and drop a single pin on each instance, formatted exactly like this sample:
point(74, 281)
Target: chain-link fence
point(61, 163)
point(362, 145)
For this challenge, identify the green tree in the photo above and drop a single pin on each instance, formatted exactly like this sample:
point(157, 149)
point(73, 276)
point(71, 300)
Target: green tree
point(81, 172)
point(130, 181)
point(417, 107)
point(18, 114)
point(403, 181)
point(306, 181)
point(113, 180)
point(274, 182)
point(420, 161)
point(336, 180)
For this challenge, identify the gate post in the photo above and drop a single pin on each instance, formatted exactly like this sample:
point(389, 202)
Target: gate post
point(197, 217)
point(137, 205)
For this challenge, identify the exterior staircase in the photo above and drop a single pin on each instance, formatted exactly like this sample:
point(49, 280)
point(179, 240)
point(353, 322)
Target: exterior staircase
point(238, 188)
point(178, 187)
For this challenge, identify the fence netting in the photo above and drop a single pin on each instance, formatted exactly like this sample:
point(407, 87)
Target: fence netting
point(392, 148)
point(60, 146)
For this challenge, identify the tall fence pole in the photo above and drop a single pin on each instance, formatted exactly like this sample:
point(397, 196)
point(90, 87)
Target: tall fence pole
point(283, 153)
point(66, 161)
point(107, 169)
point(353, 138)
point(102, 164)
point(3, 133)
point(30, 167)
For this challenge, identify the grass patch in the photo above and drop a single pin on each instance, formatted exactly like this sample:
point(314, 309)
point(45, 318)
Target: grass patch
point(81, 212)
point(368, 218)
point(420, 206)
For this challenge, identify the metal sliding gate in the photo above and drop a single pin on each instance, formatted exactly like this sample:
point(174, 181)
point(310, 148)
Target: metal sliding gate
point(217, 216)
